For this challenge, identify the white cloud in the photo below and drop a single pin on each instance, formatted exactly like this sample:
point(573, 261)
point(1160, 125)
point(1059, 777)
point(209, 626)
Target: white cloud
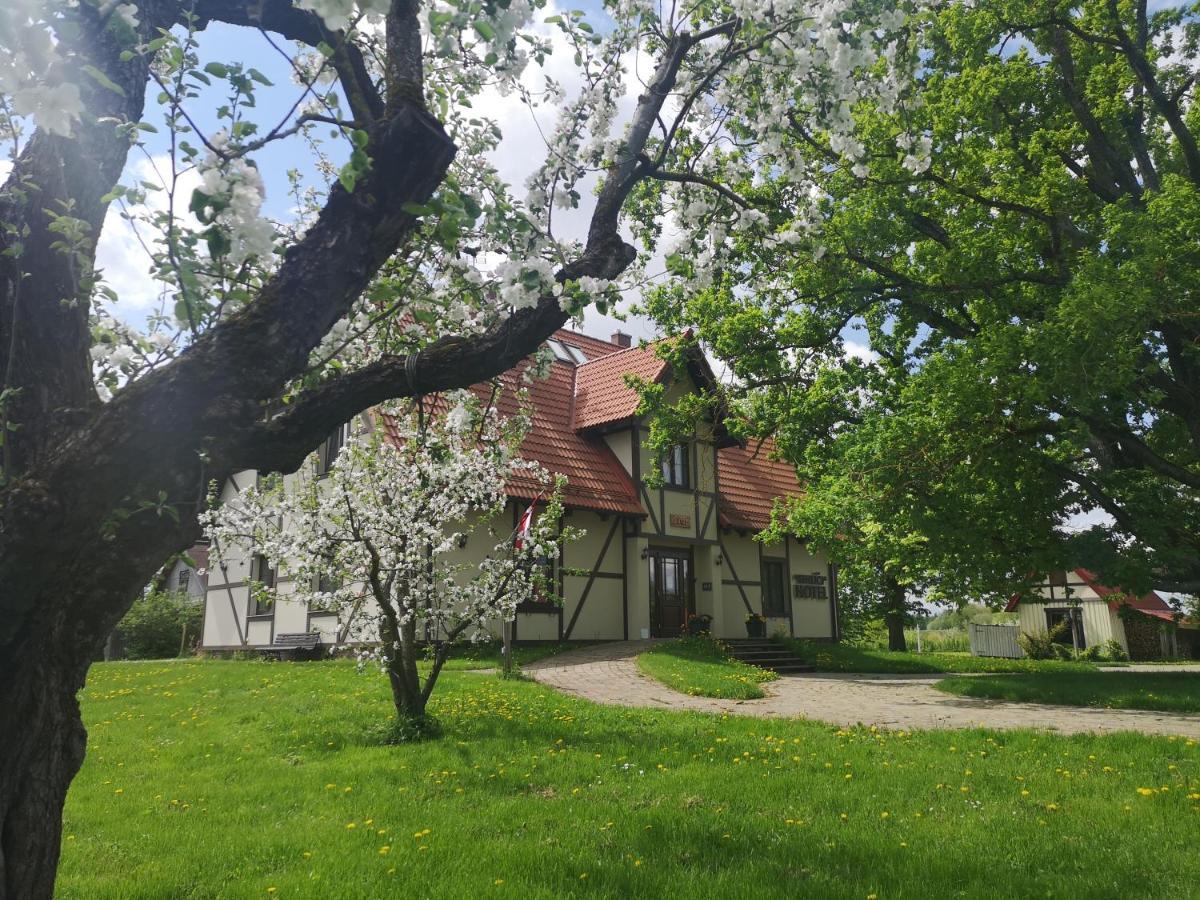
point(124, 259)
point(852, 349)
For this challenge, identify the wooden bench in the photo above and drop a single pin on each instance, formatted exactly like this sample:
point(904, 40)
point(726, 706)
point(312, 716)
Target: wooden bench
point(301, 646)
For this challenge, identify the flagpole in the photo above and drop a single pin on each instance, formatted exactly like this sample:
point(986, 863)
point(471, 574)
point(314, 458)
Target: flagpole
point(522, 529)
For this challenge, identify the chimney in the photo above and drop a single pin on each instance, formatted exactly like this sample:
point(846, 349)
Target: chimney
point(621, 339)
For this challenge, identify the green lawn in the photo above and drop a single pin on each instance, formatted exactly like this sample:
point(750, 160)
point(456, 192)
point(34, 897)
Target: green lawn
point(1167, 691)
point(251, 779)
point(701, 667)
point(845, 658)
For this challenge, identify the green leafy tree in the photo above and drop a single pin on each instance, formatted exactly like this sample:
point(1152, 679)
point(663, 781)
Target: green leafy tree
point(1019, 257)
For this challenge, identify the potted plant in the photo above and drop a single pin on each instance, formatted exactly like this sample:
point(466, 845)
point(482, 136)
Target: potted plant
point(756, 626)
point(697, 624)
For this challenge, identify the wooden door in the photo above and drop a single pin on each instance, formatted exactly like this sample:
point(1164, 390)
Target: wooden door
point(670, 591)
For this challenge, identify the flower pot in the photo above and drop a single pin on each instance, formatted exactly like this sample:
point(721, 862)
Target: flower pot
point(756, 628)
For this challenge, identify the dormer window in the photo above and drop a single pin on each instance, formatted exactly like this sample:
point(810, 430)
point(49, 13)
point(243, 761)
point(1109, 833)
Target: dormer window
point(675, 467)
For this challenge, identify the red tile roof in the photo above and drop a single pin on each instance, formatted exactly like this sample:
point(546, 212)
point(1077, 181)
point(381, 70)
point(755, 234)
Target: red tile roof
point(595, 478)
point(573, 399)
point(1151, 602)
point(750, 479)
point(601, 395)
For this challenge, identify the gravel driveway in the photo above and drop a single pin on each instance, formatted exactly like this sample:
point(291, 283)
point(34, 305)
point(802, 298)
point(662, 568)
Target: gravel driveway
point(607, 673)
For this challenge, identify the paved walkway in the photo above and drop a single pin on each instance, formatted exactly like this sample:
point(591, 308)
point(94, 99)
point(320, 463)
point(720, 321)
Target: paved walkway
point(607, 673)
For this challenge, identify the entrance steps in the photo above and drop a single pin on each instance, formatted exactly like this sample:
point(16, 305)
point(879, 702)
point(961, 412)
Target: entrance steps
point(766, 654)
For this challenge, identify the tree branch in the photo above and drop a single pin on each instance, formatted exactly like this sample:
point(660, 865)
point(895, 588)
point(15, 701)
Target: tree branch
point(282, 17)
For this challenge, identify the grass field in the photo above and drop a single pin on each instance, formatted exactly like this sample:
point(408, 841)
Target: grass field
point(845, 658)
point(1166, 691)
point(701, 667)
point(250, 779)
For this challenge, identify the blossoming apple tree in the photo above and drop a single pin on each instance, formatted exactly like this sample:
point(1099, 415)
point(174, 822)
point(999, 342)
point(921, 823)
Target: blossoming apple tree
point(379, 540)
point(396, 224)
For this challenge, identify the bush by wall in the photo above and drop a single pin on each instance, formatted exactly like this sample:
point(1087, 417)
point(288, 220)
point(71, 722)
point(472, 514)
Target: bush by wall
point(154, 626)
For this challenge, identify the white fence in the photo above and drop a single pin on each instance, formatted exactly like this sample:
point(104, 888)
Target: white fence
point(994, 640)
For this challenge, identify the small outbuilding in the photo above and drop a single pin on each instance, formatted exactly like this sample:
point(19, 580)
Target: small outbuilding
point(1146, 627)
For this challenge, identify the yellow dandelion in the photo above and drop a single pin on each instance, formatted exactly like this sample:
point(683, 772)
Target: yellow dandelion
point(1145, 792)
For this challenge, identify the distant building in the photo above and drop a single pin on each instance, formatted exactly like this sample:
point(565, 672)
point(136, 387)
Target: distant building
point(184, 578)
point(650, 556)
point(1146, 627)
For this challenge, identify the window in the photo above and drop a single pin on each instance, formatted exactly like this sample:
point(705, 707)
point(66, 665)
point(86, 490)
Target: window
point(774, 588)
point(1074, 620)
point(182, 579)
point(1058, 578)
point(262, 576)
point(675, 466)
point(559, 351)
point(567, 353)
point(325, 583)
point(328, 452)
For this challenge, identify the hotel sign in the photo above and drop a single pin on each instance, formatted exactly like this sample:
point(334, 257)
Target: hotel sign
point(680, 521)
point(810, 587)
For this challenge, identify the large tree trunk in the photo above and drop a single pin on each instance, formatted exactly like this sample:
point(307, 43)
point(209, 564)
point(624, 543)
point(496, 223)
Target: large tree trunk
point(42, 742)
point(895, 614)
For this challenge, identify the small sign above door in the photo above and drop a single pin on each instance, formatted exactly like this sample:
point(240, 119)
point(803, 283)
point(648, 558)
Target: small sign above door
point(679, 520)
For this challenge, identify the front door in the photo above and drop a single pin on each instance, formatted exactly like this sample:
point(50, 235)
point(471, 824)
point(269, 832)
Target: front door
point(670, 590)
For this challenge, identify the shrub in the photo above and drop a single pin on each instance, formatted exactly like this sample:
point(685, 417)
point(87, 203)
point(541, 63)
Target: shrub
point(154, 626)
point(1043, 644)
point(1114, 651)
point(1062, 651)
point(1093, 653)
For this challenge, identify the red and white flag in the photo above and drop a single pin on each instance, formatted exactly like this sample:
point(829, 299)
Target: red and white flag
point(524, 527)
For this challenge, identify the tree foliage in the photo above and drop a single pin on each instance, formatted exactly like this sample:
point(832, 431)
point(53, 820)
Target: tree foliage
point(987, 324)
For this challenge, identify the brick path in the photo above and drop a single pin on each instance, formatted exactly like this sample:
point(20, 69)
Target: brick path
point(607, 673)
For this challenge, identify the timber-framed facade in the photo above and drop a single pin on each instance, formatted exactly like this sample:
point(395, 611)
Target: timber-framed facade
point(651, 554)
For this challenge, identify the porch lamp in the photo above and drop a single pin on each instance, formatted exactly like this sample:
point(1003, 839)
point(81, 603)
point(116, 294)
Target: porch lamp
point(720, 559)
point(645, 553)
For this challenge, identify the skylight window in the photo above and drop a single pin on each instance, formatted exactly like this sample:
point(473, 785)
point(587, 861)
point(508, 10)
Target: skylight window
point(560, 352)
point(576, 354)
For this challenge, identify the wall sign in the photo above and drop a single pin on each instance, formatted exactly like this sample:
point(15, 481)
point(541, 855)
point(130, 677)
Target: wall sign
point(811, 587)
point(706, 585)
point(680, 521)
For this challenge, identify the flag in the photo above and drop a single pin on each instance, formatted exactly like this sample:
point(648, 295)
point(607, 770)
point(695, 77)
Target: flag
point(524, 527)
